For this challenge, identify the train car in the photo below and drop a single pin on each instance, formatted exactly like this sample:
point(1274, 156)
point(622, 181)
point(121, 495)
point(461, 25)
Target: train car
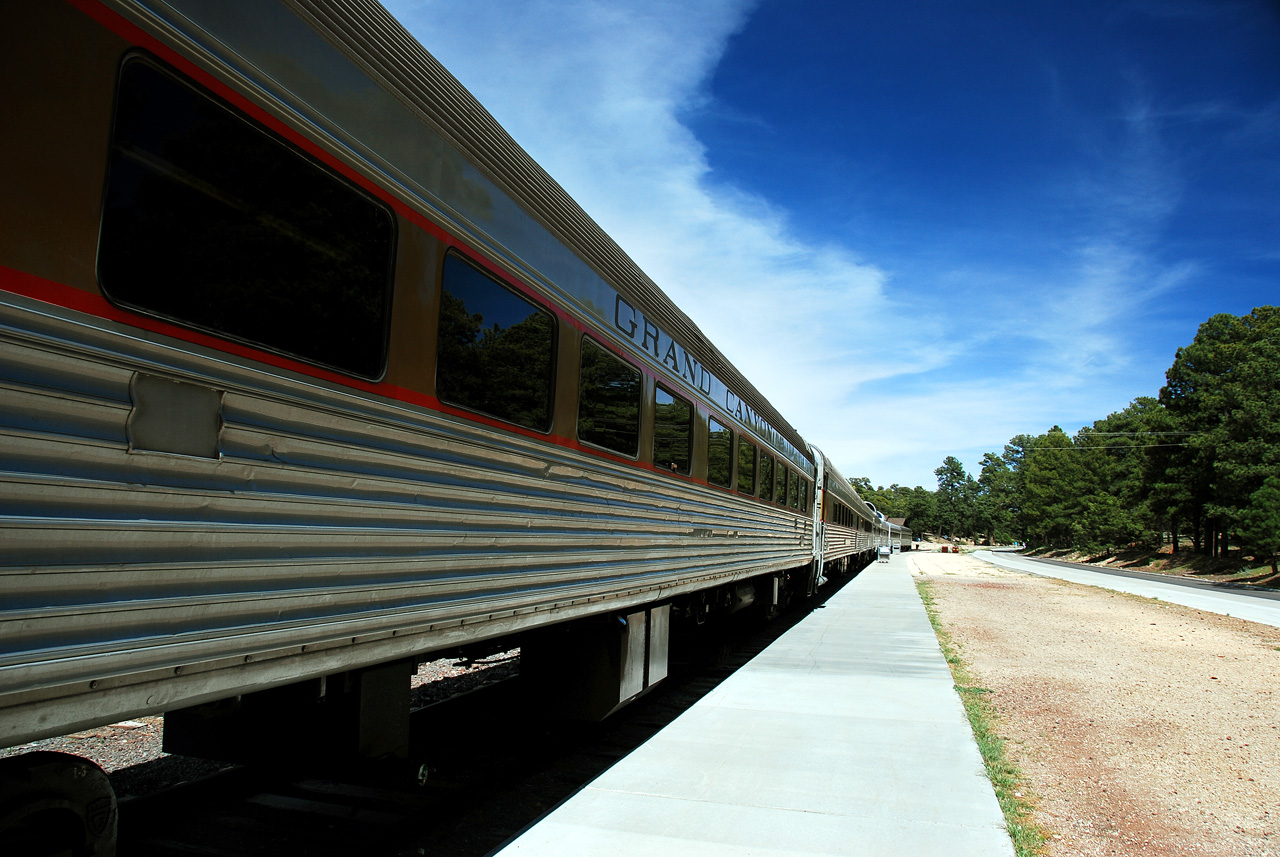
point(899, 534)
point(850, 530)
point(307, 370)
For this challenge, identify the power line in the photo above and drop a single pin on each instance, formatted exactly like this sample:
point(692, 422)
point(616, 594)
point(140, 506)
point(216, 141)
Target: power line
point(1086, 448)
point(1090, 433)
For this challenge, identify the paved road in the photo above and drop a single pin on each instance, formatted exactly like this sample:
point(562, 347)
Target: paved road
point(1263, 607)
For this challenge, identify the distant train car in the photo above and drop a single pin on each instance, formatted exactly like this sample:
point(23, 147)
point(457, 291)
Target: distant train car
point(899, 534)
point(850, 531)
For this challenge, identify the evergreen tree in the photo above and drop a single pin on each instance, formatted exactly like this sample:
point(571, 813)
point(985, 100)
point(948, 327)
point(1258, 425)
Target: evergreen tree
point(1223, 387)
point(997, 500)
point(1259, 524)
point(1053, 483)
point(953, 495)
point(1113, 512)
point(920, 512)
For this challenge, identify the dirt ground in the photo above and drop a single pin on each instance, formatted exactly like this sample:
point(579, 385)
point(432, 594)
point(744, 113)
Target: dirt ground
point(1143, 728)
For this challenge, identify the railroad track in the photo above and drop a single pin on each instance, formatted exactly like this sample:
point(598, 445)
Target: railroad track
point(494, 767)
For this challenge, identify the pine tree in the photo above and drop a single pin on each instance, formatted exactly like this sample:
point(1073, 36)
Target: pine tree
point(1259, 524)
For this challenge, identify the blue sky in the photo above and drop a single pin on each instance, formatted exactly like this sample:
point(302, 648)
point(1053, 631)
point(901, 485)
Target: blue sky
point(920, 228)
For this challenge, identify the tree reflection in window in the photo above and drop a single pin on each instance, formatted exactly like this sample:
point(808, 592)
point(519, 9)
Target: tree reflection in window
point(804, 496)
point(608, 401)
point(793, 489)
point(780, 484)
point(746, 467)
point(766, 477)
point(672, 432)
point(719, 445)
point(495, 349)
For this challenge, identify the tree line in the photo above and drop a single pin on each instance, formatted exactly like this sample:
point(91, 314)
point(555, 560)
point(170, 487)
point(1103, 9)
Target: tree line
point(1200, 461)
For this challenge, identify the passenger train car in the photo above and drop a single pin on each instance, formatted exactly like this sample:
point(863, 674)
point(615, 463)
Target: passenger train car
point(307, 370)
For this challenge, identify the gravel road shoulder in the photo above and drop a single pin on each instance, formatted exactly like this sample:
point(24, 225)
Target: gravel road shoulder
point(1144, 728)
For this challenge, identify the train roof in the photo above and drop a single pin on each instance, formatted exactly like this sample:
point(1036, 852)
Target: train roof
point(388, 53)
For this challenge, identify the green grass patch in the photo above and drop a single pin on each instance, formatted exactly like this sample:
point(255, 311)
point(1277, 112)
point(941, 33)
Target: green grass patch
point(1028, 837)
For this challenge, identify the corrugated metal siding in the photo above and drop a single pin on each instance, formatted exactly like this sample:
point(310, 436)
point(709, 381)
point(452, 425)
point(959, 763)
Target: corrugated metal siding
point(328, 516)
point(845, 541)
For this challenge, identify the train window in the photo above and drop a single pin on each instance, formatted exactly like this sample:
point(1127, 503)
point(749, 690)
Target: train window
point(214, 223)
point(495, 349)
point(672, 432)
point(608, 401)
point(719, 454)
point(766, 477)
point(746, 467)
point(780, 474)
point(804, 495)
point(793, 489)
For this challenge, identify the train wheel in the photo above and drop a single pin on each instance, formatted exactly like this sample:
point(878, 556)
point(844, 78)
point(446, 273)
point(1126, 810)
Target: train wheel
point(56, 805)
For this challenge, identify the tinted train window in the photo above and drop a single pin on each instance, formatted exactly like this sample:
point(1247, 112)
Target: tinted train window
point(719, 455)
point(793, 489)
point(804, 496)
point(495, 349)
point(746, 467)
point(672, 432)
point(766, 477)
point(608, 401)
point(214, 223)
point(780, 474)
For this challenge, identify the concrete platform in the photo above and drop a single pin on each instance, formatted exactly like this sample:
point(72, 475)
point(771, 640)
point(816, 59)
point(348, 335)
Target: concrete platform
point(845, 737)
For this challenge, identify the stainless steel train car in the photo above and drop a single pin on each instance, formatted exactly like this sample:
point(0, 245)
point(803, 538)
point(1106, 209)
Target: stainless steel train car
point(850, 531)
point(900, 536)
point(307, 370)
